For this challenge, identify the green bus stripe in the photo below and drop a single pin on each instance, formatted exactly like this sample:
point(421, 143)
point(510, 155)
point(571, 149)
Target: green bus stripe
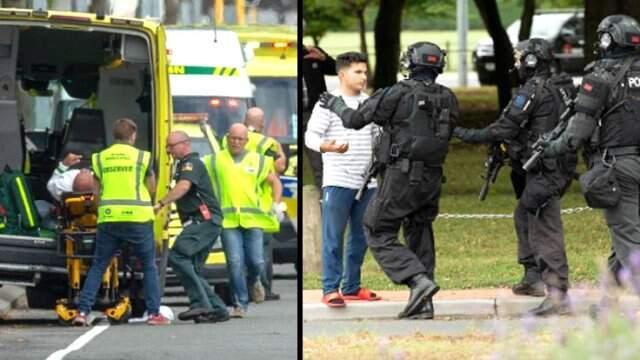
point(25, 201)
point(233, 71)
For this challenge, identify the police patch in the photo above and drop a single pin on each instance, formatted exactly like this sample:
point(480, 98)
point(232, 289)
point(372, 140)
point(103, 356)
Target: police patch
point(187, 167)
point(519, 102)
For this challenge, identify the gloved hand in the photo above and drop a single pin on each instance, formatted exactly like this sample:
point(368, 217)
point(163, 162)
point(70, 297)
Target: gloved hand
point(333, 103)
point(279, 209)
point(459, 132)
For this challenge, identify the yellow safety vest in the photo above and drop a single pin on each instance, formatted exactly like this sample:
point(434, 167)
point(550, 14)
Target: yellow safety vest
point(124, 197)
point(260, 143)
point(256, 142)
point(238, 186)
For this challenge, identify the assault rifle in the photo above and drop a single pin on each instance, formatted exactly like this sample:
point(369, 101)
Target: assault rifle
point(495, 161)
point(538, 146)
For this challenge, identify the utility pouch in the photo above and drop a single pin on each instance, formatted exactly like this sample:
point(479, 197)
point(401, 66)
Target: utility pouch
point(204, 211)
point(417, 169)
point(443, 128)
point(600, 186)
point(383, 149)
point(203, 208)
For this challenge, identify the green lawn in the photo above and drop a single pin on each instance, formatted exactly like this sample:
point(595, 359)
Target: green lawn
point(338, 42)
point(482, 253)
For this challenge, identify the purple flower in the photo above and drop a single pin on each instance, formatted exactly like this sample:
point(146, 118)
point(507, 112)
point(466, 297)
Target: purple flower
point(624, 275)
point(529, 324)
point(634, 260)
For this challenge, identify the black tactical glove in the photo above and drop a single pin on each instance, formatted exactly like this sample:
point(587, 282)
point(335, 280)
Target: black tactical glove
point(459, 132)
point(333, 103)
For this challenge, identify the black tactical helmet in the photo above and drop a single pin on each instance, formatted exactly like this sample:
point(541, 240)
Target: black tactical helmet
point(621, 30)
point(423, 53)
point(531, 52)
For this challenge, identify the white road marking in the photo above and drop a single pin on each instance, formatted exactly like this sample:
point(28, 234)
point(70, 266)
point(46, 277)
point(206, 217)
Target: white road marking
point(79, 342)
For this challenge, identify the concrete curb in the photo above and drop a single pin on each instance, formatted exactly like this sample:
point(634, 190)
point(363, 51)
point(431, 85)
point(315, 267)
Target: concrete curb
point(12, 297)
point(467, 308)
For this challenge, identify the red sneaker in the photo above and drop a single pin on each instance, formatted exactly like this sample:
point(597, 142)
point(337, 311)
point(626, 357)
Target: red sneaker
point(362, 294)
point(158, 319)
point(80, 320)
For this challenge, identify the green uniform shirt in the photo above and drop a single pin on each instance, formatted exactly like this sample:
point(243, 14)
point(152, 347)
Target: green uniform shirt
point(192, 169)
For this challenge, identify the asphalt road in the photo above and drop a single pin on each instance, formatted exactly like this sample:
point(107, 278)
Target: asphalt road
point(268, 332)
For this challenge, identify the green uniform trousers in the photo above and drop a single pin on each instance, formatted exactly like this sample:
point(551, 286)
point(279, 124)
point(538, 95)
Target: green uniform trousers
point(187, 258)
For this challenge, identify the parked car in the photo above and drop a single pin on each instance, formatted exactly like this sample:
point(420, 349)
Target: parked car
point(563, 29)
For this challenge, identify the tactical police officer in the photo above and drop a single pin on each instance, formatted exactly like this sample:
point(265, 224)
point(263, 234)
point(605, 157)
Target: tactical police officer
point(534, 110)
point(201, 218)
point(417, 116)
point(607, 123)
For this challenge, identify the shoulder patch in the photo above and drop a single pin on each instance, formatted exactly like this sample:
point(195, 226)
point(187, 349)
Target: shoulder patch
point(519, 101)
point(188, 166)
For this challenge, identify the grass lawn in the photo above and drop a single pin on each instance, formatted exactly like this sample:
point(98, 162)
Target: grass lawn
point(480, 252)
point(336, 43)
point(365, 345)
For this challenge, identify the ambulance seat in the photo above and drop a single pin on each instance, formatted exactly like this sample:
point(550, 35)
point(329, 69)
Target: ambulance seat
point(84, 134)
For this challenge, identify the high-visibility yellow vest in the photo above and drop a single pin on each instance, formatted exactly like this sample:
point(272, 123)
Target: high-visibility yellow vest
point(260, 143)
point(238, 186)
point(256, 142)
point(124, 197)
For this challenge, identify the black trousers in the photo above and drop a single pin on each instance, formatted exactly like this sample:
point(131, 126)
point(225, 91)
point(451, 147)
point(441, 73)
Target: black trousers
point(541, 235)
point(413, 206)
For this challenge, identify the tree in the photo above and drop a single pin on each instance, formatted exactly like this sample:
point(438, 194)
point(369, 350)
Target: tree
point(387, 42)
point(320, 16)
point(502, 48)
point(358, 7)
point(596, 10)
point(171, 12)
point(526, 19)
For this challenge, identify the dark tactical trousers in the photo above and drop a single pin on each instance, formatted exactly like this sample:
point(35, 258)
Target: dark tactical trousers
point(396, 203)
point(541, 241)
point(187, 258)
point(623, 220)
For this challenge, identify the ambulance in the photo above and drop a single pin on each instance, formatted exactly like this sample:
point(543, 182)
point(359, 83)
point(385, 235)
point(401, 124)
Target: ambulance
point(109, 68)
point(208, 75)
point(274, 72)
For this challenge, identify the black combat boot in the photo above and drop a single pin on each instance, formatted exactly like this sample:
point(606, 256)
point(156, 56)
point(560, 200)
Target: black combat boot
point(531, 283)
point(193, 313)
point(422, 289)
point(424, 313)
point(556, 303)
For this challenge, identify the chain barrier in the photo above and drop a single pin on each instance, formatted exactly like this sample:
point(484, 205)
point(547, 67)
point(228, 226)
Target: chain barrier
point(445, 216)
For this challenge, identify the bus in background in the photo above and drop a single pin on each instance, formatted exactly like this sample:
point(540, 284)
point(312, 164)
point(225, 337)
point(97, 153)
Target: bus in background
point(207, 75)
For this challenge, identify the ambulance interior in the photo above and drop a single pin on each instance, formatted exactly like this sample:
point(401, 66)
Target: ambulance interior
point(62, 90)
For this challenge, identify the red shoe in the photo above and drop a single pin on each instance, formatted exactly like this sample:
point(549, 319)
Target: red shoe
point(158, 319)
point(333, 300)
point(362, 294)
point(80, 320)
